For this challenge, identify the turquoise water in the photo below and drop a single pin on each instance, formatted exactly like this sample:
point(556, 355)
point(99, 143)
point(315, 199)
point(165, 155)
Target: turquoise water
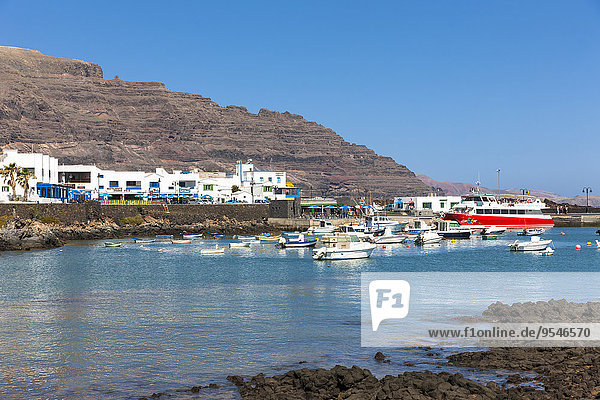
point(96, 322)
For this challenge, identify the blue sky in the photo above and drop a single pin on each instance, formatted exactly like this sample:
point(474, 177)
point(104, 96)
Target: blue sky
point(448, 88)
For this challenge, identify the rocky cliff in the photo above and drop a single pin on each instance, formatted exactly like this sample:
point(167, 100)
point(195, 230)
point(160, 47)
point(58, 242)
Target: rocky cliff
point(67, 109)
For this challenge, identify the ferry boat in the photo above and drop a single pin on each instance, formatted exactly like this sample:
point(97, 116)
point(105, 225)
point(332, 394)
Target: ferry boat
point(485, 211)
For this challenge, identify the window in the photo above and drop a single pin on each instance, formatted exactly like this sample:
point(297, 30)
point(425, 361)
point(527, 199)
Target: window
point(267, 188)
point(101, 187)
point(488, 210)
point(75, 177)
point(442, 204)
point(453, 204)
point(262, 179)
point(480, 211)
point(520, 211)
point(154, 184)
point(270, 179)
point(496, 211)
point(5, 188)
point(513, 211)
point(208, 188)
point(278, 179)
point(504, 211)
point(113, 184)
point(427, 206)
point(133, 183)
point(100, 176)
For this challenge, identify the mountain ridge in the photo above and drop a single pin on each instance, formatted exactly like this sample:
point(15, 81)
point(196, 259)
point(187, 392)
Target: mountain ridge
point(65, 107)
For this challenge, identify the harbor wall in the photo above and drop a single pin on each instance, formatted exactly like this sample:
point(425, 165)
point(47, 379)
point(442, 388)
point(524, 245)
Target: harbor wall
point(174, 213)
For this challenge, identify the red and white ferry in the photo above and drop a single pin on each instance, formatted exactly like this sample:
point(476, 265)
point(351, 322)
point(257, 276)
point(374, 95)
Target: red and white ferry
point(485, 211)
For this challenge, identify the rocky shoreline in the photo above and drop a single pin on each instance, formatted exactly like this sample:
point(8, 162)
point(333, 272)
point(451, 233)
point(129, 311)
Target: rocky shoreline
point(30, 234)
point(559, 373)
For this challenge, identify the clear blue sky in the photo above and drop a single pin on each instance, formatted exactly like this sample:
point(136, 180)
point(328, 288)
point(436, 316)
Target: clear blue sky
point(448, 88)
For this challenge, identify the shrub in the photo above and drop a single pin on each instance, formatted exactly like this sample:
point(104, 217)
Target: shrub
point(50, 220)
point(137, 220)
point(4, 220)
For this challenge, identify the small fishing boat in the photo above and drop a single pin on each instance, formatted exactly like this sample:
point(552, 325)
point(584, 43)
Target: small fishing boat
point(267, 239)
point(184, 241)
point(300, 241)
point(531, 232)
point(536, 244)
point(548, 251)
point(164, 238)
point(216, 250)
point(239, 244)
point(343, 247)
point(191, 236)
point(113, 244)
point(324, 228)
point(427, 237)
point(598, 244)
point(138, 240)
point(493, 230)
point(489, 237)
point(389, 236)
point(216, 235)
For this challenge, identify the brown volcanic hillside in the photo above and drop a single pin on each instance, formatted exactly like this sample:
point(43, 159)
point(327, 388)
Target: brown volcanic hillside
point(65, 108)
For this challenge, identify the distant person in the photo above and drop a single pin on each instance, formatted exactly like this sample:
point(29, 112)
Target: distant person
point(558, 209)
point(566, 210)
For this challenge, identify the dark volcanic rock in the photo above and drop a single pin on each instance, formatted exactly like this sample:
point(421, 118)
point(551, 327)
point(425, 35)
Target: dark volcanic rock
point(357, 383)
point(68, 110)
point(20, 234)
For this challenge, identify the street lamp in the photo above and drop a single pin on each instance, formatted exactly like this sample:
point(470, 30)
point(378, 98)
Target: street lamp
point(498, 171)
point(587, 191)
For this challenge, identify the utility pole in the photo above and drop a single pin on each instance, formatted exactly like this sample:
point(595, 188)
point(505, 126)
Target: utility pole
point(587, 191)
point(498, 171)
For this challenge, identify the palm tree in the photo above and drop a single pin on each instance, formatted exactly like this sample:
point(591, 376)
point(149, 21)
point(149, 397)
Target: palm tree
point(9, 173)
point(23, 178)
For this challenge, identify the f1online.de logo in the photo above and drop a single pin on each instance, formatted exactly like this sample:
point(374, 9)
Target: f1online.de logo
point(389, 299)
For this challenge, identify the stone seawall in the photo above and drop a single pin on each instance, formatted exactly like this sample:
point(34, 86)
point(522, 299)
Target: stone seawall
point(576, 220)
point(175, 213)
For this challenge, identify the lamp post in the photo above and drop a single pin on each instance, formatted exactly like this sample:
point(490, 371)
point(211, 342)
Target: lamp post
point(587, 191)
point(498, 171)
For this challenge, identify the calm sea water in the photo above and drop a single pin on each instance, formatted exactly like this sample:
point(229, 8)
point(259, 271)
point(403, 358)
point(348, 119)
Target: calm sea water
point(96, 322)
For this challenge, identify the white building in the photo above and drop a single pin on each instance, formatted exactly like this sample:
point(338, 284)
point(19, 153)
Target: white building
point(246, 185)
point(44, 188)
point(435, 204)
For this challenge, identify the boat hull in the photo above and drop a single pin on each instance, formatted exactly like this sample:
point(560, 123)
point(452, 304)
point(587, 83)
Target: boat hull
point(299, 244)
point(530, 246)
point(330, 253)
point(455, 235)
point(504, 221)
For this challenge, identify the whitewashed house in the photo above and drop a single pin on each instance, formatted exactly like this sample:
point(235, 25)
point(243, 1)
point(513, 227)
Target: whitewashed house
point(44, 188)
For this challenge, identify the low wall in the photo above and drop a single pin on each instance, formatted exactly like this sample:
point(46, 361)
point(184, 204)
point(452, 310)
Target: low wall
point(576, 220)
point(174, 213)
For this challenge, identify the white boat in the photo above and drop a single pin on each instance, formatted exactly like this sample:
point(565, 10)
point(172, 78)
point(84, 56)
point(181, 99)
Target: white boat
point(324, 228)
point(380, 221)
point(531, 232)
point(419, 228)
point(245, 238)
point(191, 236)
point(216, 250)
point(548, 251)
point(485, 210)
point(138, 240)
point(598, 244)
point(184, 241)
point(453, 230)
point(428, 237)
point(239, 244)
point(535, 244)
point(493, 230)
point(300, 241)
point(343, 247)
point(389, 237)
